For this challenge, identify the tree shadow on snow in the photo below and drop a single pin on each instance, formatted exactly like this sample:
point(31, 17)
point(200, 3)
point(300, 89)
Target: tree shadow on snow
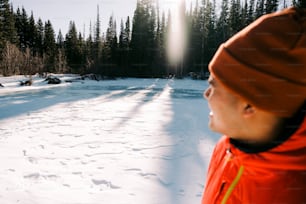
point(18, 103)
point(188, 159)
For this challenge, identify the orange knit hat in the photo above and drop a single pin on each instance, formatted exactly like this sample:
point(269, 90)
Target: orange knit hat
point(265, 63)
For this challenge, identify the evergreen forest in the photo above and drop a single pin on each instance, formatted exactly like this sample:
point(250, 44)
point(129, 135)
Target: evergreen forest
point(133, 47)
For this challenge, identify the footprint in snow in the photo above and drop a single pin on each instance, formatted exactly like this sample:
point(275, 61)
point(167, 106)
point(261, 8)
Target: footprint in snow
point(106, 183)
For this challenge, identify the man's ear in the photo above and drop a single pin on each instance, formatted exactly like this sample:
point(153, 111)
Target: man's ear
point(248, 110)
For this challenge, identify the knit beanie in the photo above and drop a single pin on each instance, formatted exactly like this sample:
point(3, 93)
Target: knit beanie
point(265, 63)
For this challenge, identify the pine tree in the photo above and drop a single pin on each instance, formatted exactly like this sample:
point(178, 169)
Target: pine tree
point(127, 32)
point(39, 46)
point(211, 36)
point(195, 38)
point(82, 54)
point(60, 39)
point(49, 47)
point(9, 53)
point(207, 28)
point(110, 48)
point(110, 36)
point(73, 50)
point(299, 3)
point(151, 40)
point(142, 40)
point(244, 15)
point(124, 44)
point(121, 35)
point(7, 24)
point(22, 26)
point(25, 29)
point(235, 19)
point(60, 59)
point(162, 45)
point(250, 17)
point(271, 6)
point(32, 29)
point(138, 40)
point(223, 22)
point(159, 58)
point(260, 8)
point(97, 38)
point(49, 39)
point(3, 5)
point(91, 53)
point(121, 50)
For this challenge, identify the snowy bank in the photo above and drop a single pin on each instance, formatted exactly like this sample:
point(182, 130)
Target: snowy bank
point(126, 141)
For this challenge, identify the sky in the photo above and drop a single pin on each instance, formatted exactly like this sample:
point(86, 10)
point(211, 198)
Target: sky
point(82, 12)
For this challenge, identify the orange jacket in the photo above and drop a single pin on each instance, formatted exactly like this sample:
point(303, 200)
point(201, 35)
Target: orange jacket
point(277, 175)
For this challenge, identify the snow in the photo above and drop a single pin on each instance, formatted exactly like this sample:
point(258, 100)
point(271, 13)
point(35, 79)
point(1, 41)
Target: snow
point(125, 141)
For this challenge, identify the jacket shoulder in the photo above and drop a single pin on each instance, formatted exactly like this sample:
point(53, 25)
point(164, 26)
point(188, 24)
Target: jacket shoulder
point(271, 187)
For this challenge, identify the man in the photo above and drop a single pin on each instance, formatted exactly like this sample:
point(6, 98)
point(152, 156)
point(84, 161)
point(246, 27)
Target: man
point(257, 94)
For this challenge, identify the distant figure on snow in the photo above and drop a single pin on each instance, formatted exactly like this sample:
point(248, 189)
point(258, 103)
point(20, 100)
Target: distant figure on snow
point(257, 93)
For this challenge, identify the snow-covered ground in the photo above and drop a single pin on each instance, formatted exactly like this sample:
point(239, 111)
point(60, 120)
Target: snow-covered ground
point(126, 141)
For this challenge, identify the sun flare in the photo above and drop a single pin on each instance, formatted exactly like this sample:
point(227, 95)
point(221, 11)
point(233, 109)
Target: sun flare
point(177, 33)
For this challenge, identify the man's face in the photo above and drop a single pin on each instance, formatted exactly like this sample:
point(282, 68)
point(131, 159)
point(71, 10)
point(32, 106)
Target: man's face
point(226, 114)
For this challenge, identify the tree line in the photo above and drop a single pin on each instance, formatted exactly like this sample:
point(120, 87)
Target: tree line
point(30, 46)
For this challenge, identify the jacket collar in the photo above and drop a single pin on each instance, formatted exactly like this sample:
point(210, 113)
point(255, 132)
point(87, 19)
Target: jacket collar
point(287, 152)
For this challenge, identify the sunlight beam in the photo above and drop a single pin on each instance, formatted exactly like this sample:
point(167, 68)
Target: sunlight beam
point(176, 43)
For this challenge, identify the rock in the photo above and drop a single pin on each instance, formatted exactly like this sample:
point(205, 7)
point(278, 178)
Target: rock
point(53, 80)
